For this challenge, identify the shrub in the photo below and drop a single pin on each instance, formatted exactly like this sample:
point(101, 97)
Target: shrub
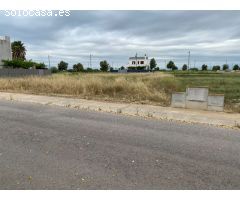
point(137, 68)
point(216, 68)
point(132, 68)
point(71, 70)
point(193, 69)
point(54, 69)
point(140, 67)
point(19, 63)
point(174, 68)
point(236, 67)
point(225, 67)
point(171, 65)
point(153, 63)
point(96, 70)
point(89, 69)
point(40, 66)
point(78, 67)
point(62, 66)
point(104, 66)
point(184, 67)
point(204, 67)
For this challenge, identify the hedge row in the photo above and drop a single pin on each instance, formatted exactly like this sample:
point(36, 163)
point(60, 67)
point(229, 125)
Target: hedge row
point(23, 64)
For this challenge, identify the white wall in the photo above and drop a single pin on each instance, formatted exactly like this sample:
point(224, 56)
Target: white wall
point(5, 49)
point(145, 62)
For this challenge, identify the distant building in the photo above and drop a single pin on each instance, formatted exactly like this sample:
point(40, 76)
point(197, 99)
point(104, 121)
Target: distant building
point(138, 61)
point(5, 49)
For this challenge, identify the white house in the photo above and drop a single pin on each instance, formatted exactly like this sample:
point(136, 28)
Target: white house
point(5, 49)
point(138, 61)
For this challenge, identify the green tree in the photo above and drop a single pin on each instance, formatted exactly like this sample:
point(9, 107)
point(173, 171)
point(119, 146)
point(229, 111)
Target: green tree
point(216, 68)
point(18, 50)
point(204, 67)
point(62, 66)
point(78, 67)
point(236, 67)
point(225, 67)
point(153, 63)
point(174, 68)
point(104, 66)
point(122, 68)
point(184, 67)
point(171, 65)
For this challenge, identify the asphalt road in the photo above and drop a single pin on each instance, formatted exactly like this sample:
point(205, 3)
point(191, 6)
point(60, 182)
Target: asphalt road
point(46, 147)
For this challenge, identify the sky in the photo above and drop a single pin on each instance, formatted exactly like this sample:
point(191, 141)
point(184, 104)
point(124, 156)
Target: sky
point(212, 37)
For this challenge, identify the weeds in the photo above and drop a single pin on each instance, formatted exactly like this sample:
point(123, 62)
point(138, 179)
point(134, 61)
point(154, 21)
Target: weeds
point(148, 88)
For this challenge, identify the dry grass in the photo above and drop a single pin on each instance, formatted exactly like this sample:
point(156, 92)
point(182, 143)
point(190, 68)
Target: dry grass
point(149, 88)
point(139, 88)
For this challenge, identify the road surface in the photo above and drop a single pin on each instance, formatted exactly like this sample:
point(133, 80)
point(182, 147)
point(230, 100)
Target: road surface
point(47, 147)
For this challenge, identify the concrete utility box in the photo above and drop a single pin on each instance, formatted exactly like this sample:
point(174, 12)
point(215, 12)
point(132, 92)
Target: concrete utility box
point(216, 102)
point(197, 98)
point(178, 100)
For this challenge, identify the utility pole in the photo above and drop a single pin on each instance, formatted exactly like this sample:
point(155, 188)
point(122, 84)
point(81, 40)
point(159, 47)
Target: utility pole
point(136, 59)
point(189, 59)
point(90, 60)
point(49, 62)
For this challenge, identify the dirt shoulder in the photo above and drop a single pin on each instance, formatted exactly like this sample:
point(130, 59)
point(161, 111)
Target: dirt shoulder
point(228, 120)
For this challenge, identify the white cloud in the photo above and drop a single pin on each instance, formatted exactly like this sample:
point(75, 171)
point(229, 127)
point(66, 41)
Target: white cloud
point(115, 35)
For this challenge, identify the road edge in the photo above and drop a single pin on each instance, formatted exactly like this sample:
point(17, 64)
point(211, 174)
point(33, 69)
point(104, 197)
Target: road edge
point(220, 119)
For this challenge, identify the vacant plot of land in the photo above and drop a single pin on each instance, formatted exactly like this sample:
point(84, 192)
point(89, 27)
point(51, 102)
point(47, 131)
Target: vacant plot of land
point(150, 88)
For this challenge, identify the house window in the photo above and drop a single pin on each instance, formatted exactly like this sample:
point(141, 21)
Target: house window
point(138, 62)
point(133, 62)
point(142, 62)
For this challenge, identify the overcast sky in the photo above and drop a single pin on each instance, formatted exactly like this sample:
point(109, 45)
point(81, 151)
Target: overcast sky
point(211, 36)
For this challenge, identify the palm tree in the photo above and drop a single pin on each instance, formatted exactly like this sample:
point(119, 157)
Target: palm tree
point(18, 50)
